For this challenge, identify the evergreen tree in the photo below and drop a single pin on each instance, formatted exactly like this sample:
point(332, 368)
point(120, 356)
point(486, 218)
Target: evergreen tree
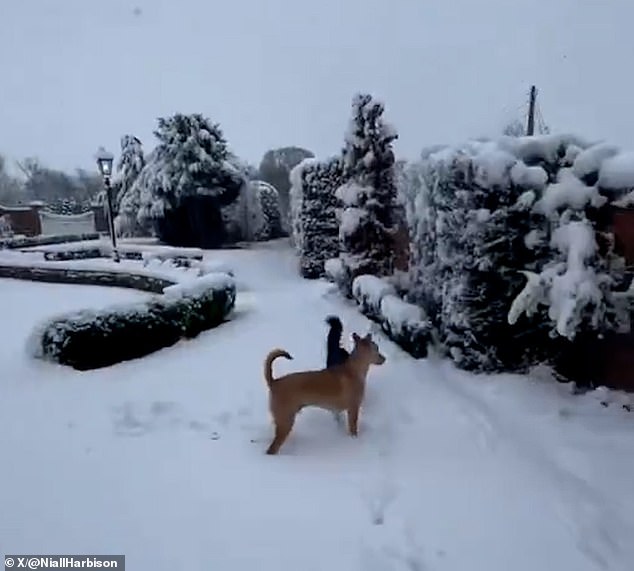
point(268, 202)
point(368, 193)
point(275, 168)
point(320, 229)
point(187, 179)
point(128, 195)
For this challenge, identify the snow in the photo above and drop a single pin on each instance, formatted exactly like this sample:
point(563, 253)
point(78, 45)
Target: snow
point(351, 217)
point(152, 266)
point(534, 178)
point(195, 288)
point(350, 192)
point(590, 160)
point(372, 289)
point(333, 268)
point(526, 200)
point(163, 458)
point(399, 313)
point(568, 191)
point(493, 165)
point(618, 171)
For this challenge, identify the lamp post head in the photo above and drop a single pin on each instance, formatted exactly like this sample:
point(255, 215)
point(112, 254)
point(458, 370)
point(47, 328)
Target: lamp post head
point(104, 162)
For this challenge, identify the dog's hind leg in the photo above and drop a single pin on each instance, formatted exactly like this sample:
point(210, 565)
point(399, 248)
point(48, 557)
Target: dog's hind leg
point(353, 420)
point(283, 427)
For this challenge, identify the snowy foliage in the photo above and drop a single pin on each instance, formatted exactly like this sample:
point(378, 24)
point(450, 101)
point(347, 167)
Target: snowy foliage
point(275, 168)
point(315, 224)
point(406, 324)
point(128, 197)
point(188, 178)
point(368, 193)
point(297, 176)
point(91, 339)
point(504, 249)
point(368, 291)
point(191, 159)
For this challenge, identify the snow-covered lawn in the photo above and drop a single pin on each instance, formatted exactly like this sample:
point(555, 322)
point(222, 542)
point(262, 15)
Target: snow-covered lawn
point(162, 459)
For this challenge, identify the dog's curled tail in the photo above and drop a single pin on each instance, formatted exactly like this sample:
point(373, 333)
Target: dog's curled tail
point(268, 364)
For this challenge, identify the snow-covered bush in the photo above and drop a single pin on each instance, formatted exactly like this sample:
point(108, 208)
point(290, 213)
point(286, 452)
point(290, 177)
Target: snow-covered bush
point(296, 196)
point(265, 217)
point(90, 339)
point(487, 215)
point(334, 271)
point(406, 324)
point(368, 193)
point(368, 291)
point(275, 169)
point(188, 178)
point(128, 195)
point(318, 219)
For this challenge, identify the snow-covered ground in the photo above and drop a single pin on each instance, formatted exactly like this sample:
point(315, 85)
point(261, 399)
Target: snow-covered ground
point(162, 459)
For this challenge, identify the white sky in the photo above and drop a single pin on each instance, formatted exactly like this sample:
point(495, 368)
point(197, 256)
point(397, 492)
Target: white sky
point(76, 74)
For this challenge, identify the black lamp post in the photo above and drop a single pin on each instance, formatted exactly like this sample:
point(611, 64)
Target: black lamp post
point(104, 162)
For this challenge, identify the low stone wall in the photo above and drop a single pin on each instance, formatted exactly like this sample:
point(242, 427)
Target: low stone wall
point(86, 277)
point(29, 242)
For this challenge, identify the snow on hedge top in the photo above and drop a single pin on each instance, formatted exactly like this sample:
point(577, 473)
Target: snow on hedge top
point(401, 315)
point(540, 148)
point(589, 160)
point(533, 178)
point(156, 268)
point(371, 288)
point(567, 192)
point(195, 288)
point(617, 172)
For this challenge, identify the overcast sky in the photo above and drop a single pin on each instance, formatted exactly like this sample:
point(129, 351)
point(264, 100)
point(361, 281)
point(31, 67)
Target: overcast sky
point(76, 74)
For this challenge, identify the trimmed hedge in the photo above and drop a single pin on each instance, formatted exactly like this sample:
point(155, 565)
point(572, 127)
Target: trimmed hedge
point(368, 291)
point(403, 322)
point(85, 277)
point(92, 339)
point(406, 325)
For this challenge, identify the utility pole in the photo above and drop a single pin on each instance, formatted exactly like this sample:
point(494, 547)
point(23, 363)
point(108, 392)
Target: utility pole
point(530, 128)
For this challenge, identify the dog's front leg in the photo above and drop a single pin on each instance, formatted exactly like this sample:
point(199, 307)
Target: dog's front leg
point(353, 420)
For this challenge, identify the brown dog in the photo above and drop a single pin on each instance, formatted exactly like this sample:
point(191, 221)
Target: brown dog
point(337, 388)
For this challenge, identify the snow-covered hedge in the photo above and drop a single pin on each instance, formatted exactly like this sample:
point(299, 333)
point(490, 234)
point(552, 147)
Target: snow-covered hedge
point(27, 242)
point(405, 323)
point(91, 339)
point(506, 245)
point(368, 291)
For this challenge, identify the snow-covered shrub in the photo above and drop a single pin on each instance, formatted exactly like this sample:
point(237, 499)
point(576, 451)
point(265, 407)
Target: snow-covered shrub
point(368, 291)
point(574, 289)
point(267, 206)
point(128, 194)
point(368, 193)
point(491, 213)
point(406, 324)
point(296, 194)
point(188, 178)
point(335, 272)
point(90, 339)
point(275, 169)
point(318, 219)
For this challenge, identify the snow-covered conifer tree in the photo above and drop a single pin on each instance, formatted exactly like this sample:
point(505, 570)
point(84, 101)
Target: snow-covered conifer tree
point(368, 193)
point(320, 228)
point(127, 199)
point(187, 179)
